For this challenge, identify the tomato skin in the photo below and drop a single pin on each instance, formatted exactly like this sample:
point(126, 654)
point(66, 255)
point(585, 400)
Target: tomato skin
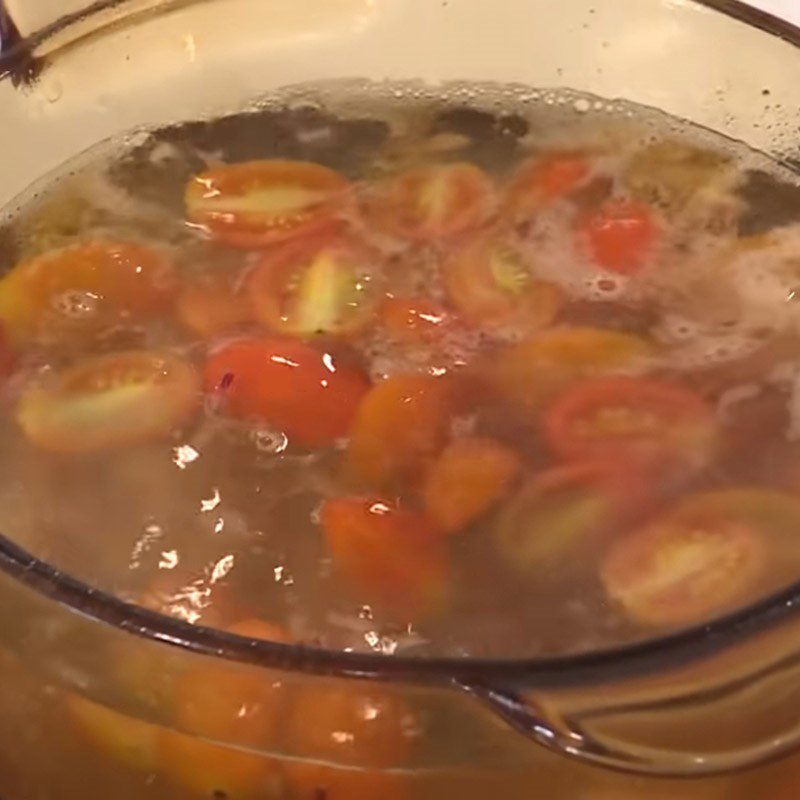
point(544, 180)
point(321, 195)
point(621, 235)
point(432, 203)
point(6, 355)
point(400, 423)
point(415, 320)
point(109, 401)
point(336, 293)
point(209, 306)
point(303, 390)
point(493, 284)
point(396, 557)
point(636, 419)
point(115, 280)
point(469, 477)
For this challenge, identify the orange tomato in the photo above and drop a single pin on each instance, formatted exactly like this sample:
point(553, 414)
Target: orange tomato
point(401, 422)
point(210, 306)
point(705, 556)
point(6, 356)
point(392, 555)
point(85, 288)
point(434, 202)
point(531, 372)
point(493, 284)
point(621, 235)
point(111, 400)
point(328, 286)
point(257, 203)
point(414, 320)
point(366, 728)
point(306, 392)
point(542, 180)
point(633, 419)
point(468, 478)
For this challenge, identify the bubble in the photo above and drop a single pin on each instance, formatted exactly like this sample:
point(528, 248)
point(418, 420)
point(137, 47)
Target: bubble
point(582, 105)
point(76, 304)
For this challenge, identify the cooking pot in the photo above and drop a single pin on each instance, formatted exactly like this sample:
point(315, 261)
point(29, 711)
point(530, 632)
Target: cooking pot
point(711, 712)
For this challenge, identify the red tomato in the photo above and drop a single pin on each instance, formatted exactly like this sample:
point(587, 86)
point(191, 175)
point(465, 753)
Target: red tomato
point(415, 320)
point(306, 392)
point(85, 288)
point(210, 306)
point(705, 556)
point(258, 203)
point(6, 356)
point(543, 180)
point(400, 423)
point(110, 401)
point(635, 419)
point(621, 235)
point(391, 555)
point(493, 284)
point(559, 511)
point(431, 203)
point(329, 286)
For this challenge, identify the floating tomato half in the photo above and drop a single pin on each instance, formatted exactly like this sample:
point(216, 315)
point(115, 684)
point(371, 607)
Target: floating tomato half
point(306, 392)
point(432, 202)
point(543, 180)
point(415, 320)
point(493, 284)
point(635, 419)
point(84, 289)
point(531, 372)
point(210, 305)
point(6, 356)
point(387, 554)
point(706, 556)
point(109, 401)
point(621, 235)
point(258, 203)
point(558, 512)
point(328, 286)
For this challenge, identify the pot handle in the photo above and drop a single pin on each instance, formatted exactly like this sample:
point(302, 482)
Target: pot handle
point(573, 737)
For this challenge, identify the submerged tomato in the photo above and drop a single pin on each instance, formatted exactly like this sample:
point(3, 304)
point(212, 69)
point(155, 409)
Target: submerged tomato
point(327, 286)
point(543, 180)
point(415, 320)
point(560, 511)
point(84, 289)
point(636, 419)
point(531, 372)
point(621, 235)
point(306, 392)
point(109, 401)
point(391, 556)
point(400, 423)
point(210, 306)
point(432, 202)
point(6, 356)
point(469, 477)
point(257, 203)
point(706, 556)
point(493, 284)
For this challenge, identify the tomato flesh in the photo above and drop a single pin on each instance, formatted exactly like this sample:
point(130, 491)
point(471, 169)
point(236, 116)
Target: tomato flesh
point(433, 203)
point(109, 401)
point(210, 306)
point(621, 236)
point(326, 287)
point(415, 320)
point(257, 203)
point(304, 391)
point(493, 284)
point(543, 181)
point(636, 419)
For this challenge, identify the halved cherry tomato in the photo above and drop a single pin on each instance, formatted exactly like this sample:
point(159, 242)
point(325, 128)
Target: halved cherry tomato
point(531, 372)
point(364, 728)
point(400, 423)
point(210, 305)
point(6, 356)
point(85, 288)
point(109, 401)
point(636, 419)
point(392, 556)
point(327, 286)
point(433, 202)
point(543, 180)
point(493, 284)
point(306, 392)
point(467, 479)
point(621, 235)
point(257, 203)
point(415, 320)
point(562, 510)
point(705, 556)
point(127, 740)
